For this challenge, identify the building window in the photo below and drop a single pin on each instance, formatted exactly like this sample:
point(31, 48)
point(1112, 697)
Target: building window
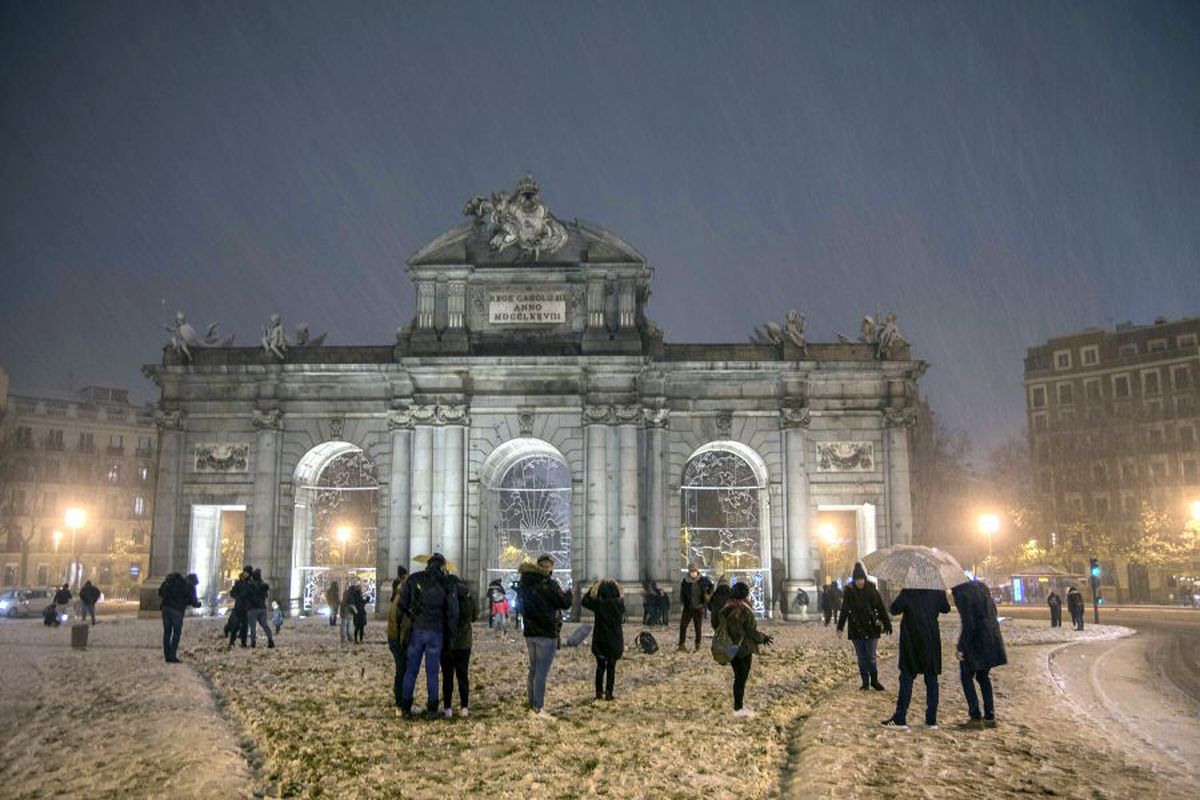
point(10, 574)
point(1091, 390)
point(1128, 473)
point(143, 473)
point(114, 473)
point(139, 506)
point(1189, 471)
point(43, 574)
point(1039, 422)
point(87, 442)
point(1156, 346)
point(1185, 340)
point(56, 408)
point(1184, 406)
point(1062, 359)
point(1101, 504)
point(1075, 503)
point(23, 437)
point(54, 439)
point(1089, 355)
point(1099, 474)
point(1158, 469)
point(1120, 384)
point(1187, 437)
point(1154, 437)
point(110, 539)
point(1066, 418)
point(1181, 377)
point(1037, 396)
point(1066, 394)
point(116, 443)
point(144, 444)
point(1150, 383)
point(113, 505)
point(1127, 350)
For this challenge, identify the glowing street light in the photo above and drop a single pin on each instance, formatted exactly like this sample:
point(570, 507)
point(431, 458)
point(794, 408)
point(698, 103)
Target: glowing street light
point(343, 535)
point(1195, 507)
point(989, 524)
point(828, 533)
point(75, 518)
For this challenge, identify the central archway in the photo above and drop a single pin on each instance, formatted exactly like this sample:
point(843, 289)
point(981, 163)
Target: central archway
point(526, 506)
point(334, 533)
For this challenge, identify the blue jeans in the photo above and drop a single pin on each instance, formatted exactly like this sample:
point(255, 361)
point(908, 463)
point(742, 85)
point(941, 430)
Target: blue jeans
point(254, 618)
point(172, 629)
point(541, 656)
point(969, 677)
point(864, 650)
point(89, 609)
point(905, 697)
point(427, 644)
point(401, 668)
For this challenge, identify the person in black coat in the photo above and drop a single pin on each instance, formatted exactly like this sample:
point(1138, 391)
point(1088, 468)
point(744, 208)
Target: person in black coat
point(257, 594)
point(694, 592)
point(1075, 606)
point(720, 597)
point(89, 595)
point(542, 602)
point(432, 602)
point(831, 601)
point(920, 650)
point(604, 600)
point(238, 624)
point(177, 594)
point(1055, 603)
point(980, 647)
point(863, 608)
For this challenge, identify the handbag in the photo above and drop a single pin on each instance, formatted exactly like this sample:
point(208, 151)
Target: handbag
point(724, 649)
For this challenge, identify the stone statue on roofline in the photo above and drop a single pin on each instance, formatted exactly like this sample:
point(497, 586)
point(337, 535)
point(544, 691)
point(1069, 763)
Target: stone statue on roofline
point(519, 220)
point(773, 333)
point(889, 340)
point(184, 338)
point(274, 340)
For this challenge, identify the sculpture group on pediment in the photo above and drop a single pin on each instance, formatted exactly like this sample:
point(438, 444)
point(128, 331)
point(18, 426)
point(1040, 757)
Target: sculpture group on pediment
point(519, 219)
point(792, 331)
point(184, 338)
point(275, 341)
point(885, 336)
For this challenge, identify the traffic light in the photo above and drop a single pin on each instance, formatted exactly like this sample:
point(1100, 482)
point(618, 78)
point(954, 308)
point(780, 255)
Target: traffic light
point(1095, 569)
point(1094, 579)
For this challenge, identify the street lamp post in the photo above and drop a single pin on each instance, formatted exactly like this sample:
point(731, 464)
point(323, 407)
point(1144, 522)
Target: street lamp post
point(75, 517)
point(988, 525)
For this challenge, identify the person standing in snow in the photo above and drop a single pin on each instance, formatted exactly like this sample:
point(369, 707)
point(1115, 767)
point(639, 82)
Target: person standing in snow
point(980, 647)
point(433, 604)
point(1055, 603)
point(358, 601)
point(831, 601)
point(333, 599)
point(694, 591)
point(237, 626)
point(740, 626)
point(920, 650)
point(346, 614)
point(89, 595)
point(456, 650)
point(257, 591)
point(276, 616)
point(1075, 606)
point(177, 594)
point(863, 609)
point(720, 597)
point(541, 600)
point(605, 601)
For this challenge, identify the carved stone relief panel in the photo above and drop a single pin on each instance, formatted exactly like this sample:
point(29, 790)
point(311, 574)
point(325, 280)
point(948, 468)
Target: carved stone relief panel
point(221, 457)
point(845, 456)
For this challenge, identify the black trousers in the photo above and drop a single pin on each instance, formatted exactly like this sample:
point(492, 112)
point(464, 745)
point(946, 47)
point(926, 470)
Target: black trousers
point(456, 664)
point(1055, 617)
point(741, 673)
point(696, 617)
point(606, 675)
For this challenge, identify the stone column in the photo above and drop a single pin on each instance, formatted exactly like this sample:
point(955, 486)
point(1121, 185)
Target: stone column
point(453, 486)
point(267, 441)
point(420, 499)
point(897, 423)
point(595, 419)
point(656, 518)
point(795, 442)
point(399, 423)
point(167, 491)
point(628, 569)
point(437, 495)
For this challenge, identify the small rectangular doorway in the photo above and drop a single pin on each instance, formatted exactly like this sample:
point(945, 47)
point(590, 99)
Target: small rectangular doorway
point(218, 544)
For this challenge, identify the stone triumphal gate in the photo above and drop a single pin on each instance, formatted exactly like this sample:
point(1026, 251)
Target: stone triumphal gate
point(530, 406)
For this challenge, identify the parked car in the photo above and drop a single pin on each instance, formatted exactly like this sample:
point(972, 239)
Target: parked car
point(24, 602)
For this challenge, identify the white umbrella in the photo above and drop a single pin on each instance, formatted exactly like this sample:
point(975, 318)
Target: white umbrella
point(912, 566)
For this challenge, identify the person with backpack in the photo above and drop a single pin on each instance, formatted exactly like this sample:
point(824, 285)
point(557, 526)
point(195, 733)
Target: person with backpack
point(433, 605)
point(720, 597)
point(89, 595)
point(177, 594)
point(541, 600)
point(863, 608)
point(694, 591)
point(606, 602)
point(359, 602)
point(456, 650)
point(736, 641)
point(257, 591)
point(236, 627)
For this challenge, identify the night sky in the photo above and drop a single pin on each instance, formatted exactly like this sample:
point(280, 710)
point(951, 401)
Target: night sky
point(995, 173)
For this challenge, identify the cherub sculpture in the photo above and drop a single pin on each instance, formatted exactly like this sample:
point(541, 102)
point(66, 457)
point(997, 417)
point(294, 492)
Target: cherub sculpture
point(184, 338)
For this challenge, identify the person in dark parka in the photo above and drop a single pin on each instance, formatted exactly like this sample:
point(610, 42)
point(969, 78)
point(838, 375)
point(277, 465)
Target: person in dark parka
point(1055, 603)
point(433, 605)
point(542, 600)
point(456, 651)
point(604, 600)
point(980, 647)
point(920, 650)
point(831, 601)
point(720, 597)
point(863, 609)
point(1075, 606)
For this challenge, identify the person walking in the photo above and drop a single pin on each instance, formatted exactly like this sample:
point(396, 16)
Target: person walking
point(607, 603)
point(346, 614)
point(276, 616)
point(456, 651)
point(431, 601)
point(358, 601)
point(1055, 603)
point(831, 601)
point(1075, 607)
point(257, 591)
point(236, 626)
point(980, 647)
point(541, 599)
point(694, 591)
point(89, 595)
point(863, 609)
point(177, 594)
point(740, 626)
point(720, 597)
point(497, 606)
point(333, 598)
point(920, 650)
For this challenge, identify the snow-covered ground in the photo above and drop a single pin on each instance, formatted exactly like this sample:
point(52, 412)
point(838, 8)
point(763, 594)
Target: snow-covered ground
point(1042, 746)
point(314, 718)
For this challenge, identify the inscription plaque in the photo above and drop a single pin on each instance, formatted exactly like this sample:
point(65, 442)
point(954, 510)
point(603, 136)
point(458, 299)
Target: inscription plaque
point(527, 307)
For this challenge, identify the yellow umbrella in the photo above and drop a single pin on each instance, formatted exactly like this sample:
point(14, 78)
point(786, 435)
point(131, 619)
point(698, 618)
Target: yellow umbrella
point(424, 559)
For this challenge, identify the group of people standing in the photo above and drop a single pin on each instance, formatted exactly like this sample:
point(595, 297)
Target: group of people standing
point(350, 607)
point(1075, 607)
point(250, 595)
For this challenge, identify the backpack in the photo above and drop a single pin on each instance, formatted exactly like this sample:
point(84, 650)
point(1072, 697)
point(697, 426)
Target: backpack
point(581, 633)
point(724, 649)
point(646, 643)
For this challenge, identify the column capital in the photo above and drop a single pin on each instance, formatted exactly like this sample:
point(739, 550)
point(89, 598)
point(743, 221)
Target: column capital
point(598, 415)
point(168, 420)
point(795, 416)
point(657, 417)
point(270, 419)
point(905, 417)
point(399, 419)
point(629, 415)
point(438, 414)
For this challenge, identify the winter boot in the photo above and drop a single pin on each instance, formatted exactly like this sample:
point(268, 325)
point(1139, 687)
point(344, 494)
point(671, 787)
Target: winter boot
point(875, 684)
